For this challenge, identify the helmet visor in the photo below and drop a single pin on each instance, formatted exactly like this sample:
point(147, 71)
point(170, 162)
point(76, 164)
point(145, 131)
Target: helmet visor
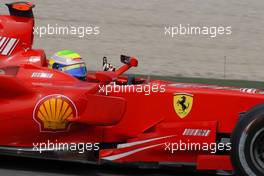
point(77, 70)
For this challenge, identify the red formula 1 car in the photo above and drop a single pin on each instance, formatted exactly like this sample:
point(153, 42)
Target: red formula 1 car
point(111, 118)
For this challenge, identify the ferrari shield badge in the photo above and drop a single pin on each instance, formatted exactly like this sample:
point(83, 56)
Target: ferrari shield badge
point(53, 112)
point(182, 104)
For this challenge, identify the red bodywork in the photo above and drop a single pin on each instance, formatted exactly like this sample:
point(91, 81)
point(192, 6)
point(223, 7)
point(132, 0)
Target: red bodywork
point(38, 104)
point(17, 39)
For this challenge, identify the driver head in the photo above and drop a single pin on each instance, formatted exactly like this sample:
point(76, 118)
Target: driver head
point(69, 62)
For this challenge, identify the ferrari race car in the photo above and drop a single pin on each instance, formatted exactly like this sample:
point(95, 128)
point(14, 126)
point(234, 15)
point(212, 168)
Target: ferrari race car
point(114, 118)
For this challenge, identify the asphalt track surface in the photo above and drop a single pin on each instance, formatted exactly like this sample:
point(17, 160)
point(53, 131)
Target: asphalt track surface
point(11, 166)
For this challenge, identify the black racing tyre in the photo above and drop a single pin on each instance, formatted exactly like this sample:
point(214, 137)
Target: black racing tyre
point(248, 143)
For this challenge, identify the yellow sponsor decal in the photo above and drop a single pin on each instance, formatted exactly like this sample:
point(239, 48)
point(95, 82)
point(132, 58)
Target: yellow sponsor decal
point(53, 112)
point(183, 104)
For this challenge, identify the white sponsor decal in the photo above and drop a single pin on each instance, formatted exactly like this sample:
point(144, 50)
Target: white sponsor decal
point(41, 75)
point(196, 132)
point(122, 155)
point(143, 141)
point(7, 45)
point(131, 152)
point(249, 90)
point(34, 59)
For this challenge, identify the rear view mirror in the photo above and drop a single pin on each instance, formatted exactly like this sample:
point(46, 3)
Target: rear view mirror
point(125, 59)
point(22, 9)
point(129, 60)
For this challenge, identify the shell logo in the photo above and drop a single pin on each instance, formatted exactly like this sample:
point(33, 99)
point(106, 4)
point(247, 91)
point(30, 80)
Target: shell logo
point(53, 112)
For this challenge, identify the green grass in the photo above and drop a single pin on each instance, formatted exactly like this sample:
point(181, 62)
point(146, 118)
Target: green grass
point(220, 82)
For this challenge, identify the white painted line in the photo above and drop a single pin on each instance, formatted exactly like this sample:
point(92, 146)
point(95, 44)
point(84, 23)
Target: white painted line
point(2, 41)
point(9, 46)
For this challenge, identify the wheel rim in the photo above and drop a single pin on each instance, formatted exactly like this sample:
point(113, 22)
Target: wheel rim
point(257, 150)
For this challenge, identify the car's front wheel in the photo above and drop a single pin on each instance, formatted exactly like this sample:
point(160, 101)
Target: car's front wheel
point(248, 144)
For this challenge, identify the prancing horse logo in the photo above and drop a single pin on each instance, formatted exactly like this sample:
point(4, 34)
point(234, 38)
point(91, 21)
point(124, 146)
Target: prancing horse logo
point(182, 104)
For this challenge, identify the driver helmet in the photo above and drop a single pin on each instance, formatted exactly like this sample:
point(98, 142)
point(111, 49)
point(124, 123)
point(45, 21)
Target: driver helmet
point(69, 62)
